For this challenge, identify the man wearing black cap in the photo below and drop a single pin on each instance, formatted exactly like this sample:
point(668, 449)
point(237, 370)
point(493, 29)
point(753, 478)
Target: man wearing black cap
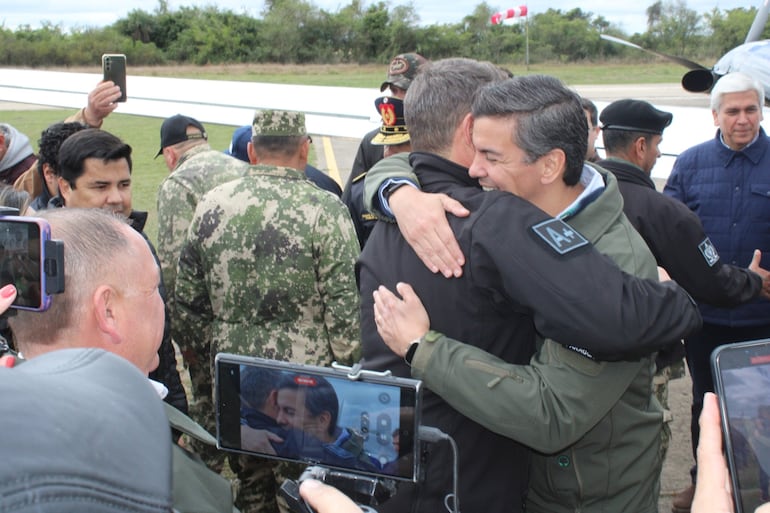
point(401, 71)
point(632, 132)
point(196, 168)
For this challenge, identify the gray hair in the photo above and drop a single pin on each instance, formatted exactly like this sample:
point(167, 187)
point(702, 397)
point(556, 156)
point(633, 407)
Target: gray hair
point(548, 115)
point(440, 96)
point(736, 83)
point(94, 242)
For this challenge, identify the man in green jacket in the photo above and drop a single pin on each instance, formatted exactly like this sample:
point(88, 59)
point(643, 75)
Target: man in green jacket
point(594, 426)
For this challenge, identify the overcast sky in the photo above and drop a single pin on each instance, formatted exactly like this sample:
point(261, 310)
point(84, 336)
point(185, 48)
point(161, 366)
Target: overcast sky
point(629, 16)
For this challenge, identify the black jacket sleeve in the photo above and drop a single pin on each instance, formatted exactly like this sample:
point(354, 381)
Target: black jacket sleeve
point(578, 297)
point(677, 239)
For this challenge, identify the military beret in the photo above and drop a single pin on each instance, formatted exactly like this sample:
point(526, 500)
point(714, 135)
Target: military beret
point(402, 70)
point(634, 116)
point(393, 129)
point(278, 123)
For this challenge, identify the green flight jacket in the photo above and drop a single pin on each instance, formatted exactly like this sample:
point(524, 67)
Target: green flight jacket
point(594, 426)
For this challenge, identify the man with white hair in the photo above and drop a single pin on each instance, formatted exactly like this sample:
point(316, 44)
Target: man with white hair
point(726, 182)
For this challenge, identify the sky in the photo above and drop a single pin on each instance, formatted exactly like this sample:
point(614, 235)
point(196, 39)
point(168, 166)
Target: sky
point(628, 16)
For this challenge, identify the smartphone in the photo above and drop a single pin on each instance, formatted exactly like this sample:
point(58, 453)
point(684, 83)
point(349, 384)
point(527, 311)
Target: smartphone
point(23, 261)
point(742, 383)
point(318, 416)
point(114, 68)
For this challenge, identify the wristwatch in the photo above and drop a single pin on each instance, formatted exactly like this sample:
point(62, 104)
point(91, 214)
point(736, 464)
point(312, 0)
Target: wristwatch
point(391, 188)
point(410, 352)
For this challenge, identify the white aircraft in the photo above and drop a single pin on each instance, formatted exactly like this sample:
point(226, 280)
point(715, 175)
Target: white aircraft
point(752, 57)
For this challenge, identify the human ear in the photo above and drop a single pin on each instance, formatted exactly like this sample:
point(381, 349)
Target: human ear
point(105, 311)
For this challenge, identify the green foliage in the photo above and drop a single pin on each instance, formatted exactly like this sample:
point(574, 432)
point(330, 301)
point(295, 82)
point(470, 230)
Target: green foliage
point(298, 32)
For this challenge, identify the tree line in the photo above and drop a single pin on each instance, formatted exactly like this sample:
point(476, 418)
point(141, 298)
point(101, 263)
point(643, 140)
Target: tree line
point(298, 32)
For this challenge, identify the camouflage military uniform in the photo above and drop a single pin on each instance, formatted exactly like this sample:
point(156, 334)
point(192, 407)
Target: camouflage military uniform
point(267, 270)
point(198, 171)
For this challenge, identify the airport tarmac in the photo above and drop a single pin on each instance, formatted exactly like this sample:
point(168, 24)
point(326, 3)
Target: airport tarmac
point(335, 156)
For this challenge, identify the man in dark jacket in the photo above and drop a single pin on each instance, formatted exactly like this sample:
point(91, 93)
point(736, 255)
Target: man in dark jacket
point(633, 130)
point(726, 183)
point(95, 172)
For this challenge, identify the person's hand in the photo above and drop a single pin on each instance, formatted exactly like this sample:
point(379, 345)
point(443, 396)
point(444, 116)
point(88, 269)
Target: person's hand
point(101, 102)
point(663, 275)
point(326, 499)
point(399, 321)
point(258, 440)
point(712, 489)
point(422, 220)
point(7, 297)
point(765, 275)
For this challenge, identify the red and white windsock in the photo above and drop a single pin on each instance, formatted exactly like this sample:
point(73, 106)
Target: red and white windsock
point(516, 12)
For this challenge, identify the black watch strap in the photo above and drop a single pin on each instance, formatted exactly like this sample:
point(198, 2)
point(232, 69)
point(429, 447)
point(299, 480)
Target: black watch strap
point(410, 352)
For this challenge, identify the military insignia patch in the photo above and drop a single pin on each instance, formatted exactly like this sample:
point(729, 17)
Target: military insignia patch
point(388, 113)
point(709, 252)
point(559, 235)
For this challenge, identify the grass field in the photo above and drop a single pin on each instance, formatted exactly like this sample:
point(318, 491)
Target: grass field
point(143, 133)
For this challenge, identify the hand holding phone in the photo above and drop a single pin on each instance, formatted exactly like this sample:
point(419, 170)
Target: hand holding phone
point(30, 261)
point(114, 69)
point(742, 382)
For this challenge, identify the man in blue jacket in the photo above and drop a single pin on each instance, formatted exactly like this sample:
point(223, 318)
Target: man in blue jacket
point(726, 182)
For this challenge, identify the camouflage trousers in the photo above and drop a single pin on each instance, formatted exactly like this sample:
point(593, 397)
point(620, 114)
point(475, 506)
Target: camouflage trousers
point(660, 390)
point(255, 480)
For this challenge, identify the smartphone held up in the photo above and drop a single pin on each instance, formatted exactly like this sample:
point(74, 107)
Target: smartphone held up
point(742, 382)
point(114, 69)
point(31, 261)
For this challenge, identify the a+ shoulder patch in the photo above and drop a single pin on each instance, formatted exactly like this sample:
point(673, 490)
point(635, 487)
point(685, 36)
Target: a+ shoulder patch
point(709, 252)
point(559, 235)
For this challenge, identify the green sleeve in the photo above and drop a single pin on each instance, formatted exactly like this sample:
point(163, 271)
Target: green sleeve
point(547, 405)
point(337, 250)
point(396, 166)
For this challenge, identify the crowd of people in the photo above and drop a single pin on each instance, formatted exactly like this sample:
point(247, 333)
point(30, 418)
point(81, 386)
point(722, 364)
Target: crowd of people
point(543, 294)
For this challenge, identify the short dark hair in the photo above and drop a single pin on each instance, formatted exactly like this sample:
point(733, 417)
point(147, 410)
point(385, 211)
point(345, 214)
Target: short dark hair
point(278, 144)
point(257, 383)
point(621, 140)
point(590, 107)
point(86, 144)
point(319, 397)
point(548, 115)
point(51, 140)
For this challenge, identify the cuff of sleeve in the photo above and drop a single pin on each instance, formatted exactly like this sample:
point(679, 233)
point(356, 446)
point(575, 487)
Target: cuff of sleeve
point(424, 352)
point(386, 189)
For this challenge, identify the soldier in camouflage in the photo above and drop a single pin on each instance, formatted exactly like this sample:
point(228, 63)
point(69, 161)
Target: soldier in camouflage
point(267, 270)
point(195, 168)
